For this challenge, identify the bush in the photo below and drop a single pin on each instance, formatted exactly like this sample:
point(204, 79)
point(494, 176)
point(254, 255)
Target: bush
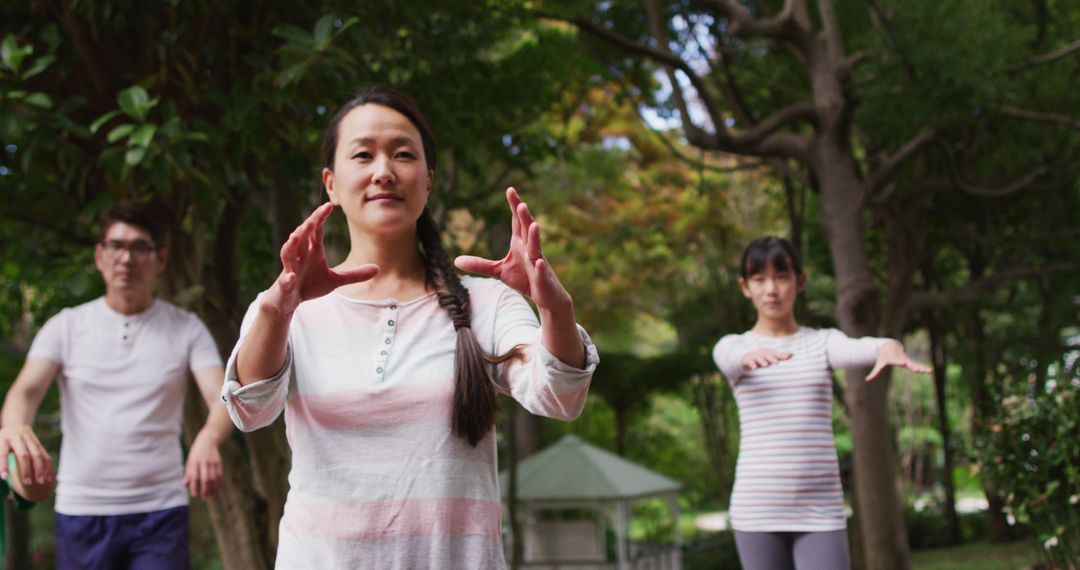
point(711, 551)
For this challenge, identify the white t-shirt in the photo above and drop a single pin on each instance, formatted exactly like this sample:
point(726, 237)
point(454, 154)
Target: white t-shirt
point(122, 383)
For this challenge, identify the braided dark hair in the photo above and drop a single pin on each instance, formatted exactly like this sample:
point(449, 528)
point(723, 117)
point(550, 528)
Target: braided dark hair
point(476, 403)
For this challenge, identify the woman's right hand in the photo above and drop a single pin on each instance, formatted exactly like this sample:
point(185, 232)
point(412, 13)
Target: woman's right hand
point(305, 274)
point(763, 357)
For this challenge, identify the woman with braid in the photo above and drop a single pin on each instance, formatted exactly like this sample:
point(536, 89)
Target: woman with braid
point(388, 365)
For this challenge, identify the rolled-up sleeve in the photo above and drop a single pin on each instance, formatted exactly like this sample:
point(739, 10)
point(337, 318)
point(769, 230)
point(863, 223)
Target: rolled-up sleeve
point(259, 403)
point(540, 382)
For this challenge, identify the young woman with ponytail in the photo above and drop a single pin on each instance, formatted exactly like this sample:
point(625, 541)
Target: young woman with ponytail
point(388, 366)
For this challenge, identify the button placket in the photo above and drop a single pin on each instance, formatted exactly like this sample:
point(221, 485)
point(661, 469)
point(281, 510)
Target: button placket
point(388, 316)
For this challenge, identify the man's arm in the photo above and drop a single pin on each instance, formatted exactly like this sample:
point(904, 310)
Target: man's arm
point(16, 435)
point(204, 461)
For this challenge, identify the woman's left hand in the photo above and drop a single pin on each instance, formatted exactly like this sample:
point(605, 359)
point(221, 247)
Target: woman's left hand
point(892, 354)
point(525, 269)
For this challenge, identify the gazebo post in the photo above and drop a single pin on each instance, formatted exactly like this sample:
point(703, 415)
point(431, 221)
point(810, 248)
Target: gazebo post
point(621, 530)
point(673, 502)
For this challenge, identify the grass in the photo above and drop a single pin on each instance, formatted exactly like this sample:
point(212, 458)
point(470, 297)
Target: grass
point(978, 556)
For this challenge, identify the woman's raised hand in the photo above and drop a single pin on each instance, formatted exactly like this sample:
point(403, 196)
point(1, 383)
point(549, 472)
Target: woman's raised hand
point(305, 274)
point(524, 268)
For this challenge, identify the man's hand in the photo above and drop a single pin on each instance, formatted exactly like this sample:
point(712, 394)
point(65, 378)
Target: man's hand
point(202, 476)
point(34, 462)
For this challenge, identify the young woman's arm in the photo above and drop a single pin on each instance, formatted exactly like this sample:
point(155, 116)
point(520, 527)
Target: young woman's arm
point(846, 352)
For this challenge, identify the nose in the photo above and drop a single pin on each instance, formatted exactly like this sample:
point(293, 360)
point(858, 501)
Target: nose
point(383, 171)
point(770, 286)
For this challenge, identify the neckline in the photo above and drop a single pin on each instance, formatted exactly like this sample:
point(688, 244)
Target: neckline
point(383, 302)
point(783, 337)
point(133, 316)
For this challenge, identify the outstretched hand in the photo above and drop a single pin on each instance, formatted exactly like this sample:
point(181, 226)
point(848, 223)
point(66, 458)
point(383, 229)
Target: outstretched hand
point(893, 354)
point(524, 268)
point(305, 274)
point(763, 357)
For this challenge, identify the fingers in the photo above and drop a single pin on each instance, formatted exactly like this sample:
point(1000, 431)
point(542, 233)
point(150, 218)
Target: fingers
point(876, 371)
point(532, 244)
point(764, 357)
point(190, 478)
point(918, 367)
point(354, 274)
point(477, 265)
point(5, 449)
point(22, 459)
point(41, 461)
point(514, 200)
point(204, 477)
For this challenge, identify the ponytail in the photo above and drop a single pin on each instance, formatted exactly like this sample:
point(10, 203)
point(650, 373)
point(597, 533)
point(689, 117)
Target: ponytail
point(475, 400)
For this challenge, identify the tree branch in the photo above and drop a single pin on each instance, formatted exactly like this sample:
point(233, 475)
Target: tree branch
point(1044, 58)
point(1050, 118)
point(888, 168)
point(981, 289)
point(957, 179)
point(761, 140)
point(782, 26)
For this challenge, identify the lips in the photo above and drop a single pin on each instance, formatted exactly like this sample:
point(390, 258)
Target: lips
point(388, 196)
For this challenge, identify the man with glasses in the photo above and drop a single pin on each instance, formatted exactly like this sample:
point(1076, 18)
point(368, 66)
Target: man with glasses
point(122, 362)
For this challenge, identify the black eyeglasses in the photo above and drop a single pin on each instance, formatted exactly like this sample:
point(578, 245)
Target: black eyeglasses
point(139, 249)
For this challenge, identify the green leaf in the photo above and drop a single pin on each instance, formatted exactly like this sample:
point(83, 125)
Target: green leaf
point(10, 53)
point(134, 102)
point(292, 33)
point(323, 29)
point(40, 65)
point(291, 74)
point(142, 136)
point(39, 100)
point(350, 22)
point(119, 132)
point(134, 155)
point(100, 122)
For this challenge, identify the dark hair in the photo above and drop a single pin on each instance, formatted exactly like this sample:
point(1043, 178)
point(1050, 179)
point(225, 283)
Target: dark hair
point(142, 215)
point(476, 403)
point(387, 98)
point(766, 251)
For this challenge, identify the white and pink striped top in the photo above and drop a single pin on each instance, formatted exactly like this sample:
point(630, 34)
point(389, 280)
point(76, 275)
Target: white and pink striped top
point(787, 478)
point(377, 479)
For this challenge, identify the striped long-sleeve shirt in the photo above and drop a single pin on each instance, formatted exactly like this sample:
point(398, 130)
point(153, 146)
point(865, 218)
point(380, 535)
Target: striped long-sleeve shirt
point(787, 477)
point(378, 480)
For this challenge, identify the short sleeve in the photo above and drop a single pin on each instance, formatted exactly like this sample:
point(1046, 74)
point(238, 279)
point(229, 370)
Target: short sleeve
point(204, 351)
point(49, 342)
point(727, 355)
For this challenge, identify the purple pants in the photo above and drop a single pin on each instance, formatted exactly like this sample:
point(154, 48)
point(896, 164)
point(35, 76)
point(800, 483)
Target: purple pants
point(156, 540)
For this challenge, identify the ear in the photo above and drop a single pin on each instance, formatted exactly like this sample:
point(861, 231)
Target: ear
point(328, 183)
point(99, 257)
point(745, 288)
point(430, 180)
point(800, 282)
point(163, 257)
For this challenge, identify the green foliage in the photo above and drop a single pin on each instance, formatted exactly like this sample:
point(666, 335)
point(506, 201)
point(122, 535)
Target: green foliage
point(1033, 454)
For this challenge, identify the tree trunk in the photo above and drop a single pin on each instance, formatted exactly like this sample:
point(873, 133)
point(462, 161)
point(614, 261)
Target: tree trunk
point(843, 194)
point(233, 510)
point(17, 524)
point(981, 411)
point(937, 351)
point(883, 532)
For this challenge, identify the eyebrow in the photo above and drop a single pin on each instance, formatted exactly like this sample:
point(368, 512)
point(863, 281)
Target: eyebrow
point(398, 140)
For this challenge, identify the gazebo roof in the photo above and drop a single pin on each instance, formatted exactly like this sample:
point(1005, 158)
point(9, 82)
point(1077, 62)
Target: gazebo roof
point(575, 470)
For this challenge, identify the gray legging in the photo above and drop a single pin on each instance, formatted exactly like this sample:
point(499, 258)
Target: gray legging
point(793, 550)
